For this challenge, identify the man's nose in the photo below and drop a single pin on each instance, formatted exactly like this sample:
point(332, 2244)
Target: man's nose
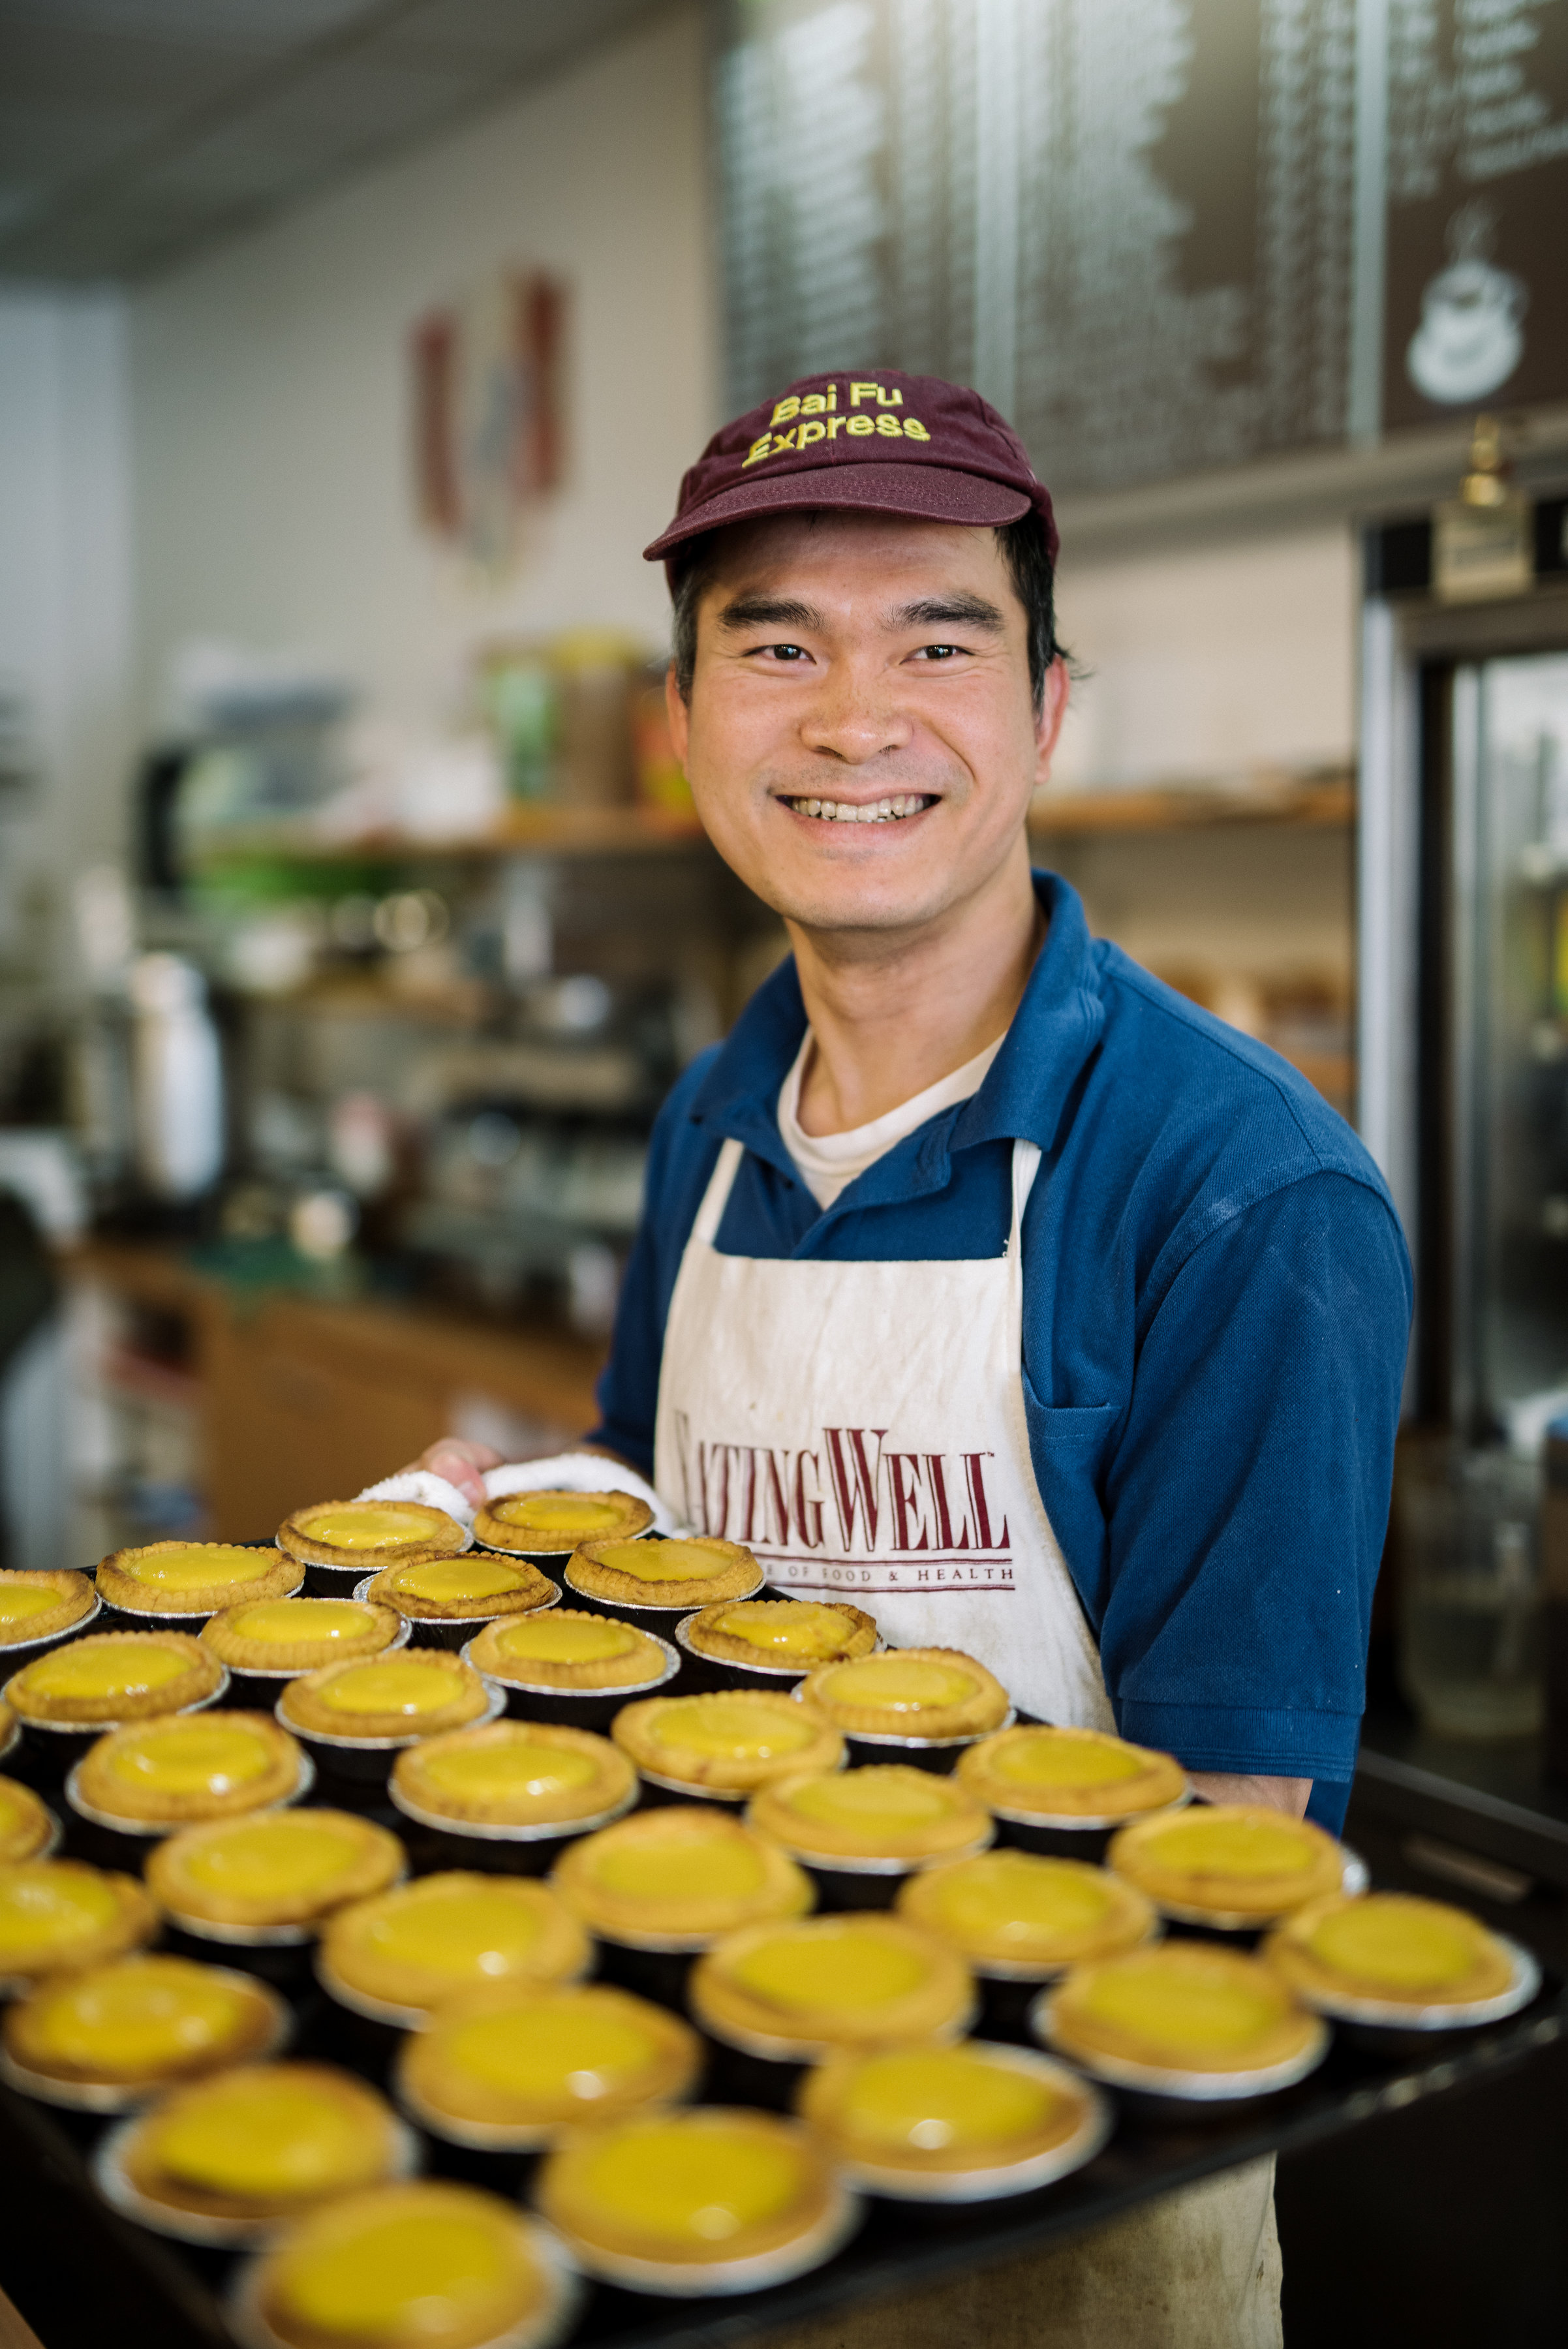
point(855, 715)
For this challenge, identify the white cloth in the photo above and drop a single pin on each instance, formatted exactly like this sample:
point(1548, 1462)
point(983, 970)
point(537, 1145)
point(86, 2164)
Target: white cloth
point(422, 1484)
point(861, 1428)
point(577, 1472)
point(828, 1163)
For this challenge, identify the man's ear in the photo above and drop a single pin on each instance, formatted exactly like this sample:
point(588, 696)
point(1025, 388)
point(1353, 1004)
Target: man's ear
point(1048, 724)
point(679, 714)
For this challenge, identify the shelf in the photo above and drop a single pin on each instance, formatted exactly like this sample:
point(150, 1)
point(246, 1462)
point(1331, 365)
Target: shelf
point(524, 830)
point(1316, 803)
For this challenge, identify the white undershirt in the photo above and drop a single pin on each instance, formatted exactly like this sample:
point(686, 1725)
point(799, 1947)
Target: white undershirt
point(828, 1163)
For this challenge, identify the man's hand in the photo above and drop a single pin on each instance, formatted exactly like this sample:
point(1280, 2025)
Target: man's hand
point(461, 1462)
point(1290, 1794)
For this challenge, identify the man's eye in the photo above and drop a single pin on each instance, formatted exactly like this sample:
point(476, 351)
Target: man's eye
point(939, 652)
point(783, 652)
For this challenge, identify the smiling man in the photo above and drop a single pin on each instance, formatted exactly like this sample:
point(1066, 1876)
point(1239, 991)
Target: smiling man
point(982, 1279)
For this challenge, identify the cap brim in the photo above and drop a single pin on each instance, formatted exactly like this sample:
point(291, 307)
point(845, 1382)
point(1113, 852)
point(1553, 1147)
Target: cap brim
point(921, 492)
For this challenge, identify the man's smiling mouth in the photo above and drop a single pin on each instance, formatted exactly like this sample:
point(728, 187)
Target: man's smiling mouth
point(895, 810)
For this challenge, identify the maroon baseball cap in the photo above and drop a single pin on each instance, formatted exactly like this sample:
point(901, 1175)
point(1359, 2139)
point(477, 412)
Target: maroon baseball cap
point(867, 441)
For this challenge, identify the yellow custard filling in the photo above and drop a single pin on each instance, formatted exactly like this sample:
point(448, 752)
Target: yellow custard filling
point(396, 1685)
point(876, 1798)
point(506, 1772)
point(203, 1754)
point(269, 2135)
point(143, 2017)
point(279, 1622)
point(568, 1639)
point(665, 1561)
point(797, 1628)
point(1406, 1946)
point(20, 1603)
point(894, 1685)
point(198, 1566)
point(25, 1822)
point(121, 1670)
point(407, 2264)
point(45, 1907)
point(366, 1526)
point(284, 1852)
point(1185, 2013)
point(693, 2186)
point(844, 1971)
point(555, 1514)
point(444, 1581)
point(692, 1868)
point(581, 2048)
point(468, 1936)
point(1246, 1849)
point(733, 1729)
point(936, 2099)
point(1049, 1761)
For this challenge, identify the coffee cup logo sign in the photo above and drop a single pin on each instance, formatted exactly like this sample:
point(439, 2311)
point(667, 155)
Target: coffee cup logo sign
point(852, 1512)
point(1471, 339)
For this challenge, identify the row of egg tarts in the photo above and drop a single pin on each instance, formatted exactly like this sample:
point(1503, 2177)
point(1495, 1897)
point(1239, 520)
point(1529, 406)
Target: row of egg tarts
point(737, 2000)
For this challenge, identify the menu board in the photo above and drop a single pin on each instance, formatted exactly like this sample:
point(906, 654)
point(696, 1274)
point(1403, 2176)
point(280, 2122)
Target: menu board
point(1161, 235)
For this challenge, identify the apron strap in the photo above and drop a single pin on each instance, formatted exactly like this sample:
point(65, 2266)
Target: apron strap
point(1025, 1166)
point(716, 1197)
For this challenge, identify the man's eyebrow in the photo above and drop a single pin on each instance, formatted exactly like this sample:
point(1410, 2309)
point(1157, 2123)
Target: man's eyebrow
point(961, 611)
point(769, 612)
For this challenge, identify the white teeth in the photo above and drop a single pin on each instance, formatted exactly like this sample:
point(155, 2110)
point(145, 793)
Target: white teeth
point(890, 810)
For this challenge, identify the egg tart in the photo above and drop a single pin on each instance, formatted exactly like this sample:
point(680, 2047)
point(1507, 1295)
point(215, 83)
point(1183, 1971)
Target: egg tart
point(1186, 2020)
point(426, 2263)
point(552, 1525)
point(782, 1637)
point(671, 1576)
point(886, 1819)
point(273, 1876)
point(157, 1775)
point(1017, 1917)
point(710, 2201)
point(60, 1914)
point(909, 1696)
point(726, 1744)
point(1228, 1865)
point(1080, 1777)
point(277, 1638)
point(396, 1956)
point(188, 1578)
point(45, 1605)
point(362, 1536)
point(110, 1677)
point(1393, 1957)
point(514, 1778)
point(386, 1700)
point(567, 1654)
point(226, 2159)
point(109, 2037)
point(507, 2069)
point(969, 2123)
point(793, 1992)
point(475, 1587)
point(28, 1828)
point(678, 1878)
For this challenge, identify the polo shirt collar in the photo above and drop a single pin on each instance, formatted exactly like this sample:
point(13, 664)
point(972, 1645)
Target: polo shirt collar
point(1055, 1030)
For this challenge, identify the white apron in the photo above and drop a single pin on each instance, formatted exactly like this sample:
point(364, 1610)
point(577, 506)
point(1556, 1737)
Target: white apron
point(861, 1428)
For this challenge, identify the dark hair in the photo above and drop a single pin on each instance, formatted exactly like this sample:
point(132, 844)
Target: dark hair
point(1024, 548)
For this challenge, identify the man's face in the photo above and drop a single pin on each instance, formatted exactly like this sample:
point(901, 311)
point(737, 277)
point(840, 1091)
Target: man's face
point(853, 663)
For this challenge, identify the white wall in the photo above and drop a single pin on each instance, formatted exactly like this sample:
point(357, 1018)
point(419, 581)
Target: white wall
point(64, 613)
point(274, 496)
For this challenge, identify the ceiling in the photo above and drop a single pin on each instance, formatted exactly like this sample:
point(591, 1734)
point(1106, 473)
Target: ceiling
point(134, 132)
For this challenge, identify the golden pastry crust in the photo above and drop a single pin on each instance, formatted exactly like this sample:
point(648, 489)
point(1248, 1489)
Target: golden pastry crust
point(40, 1604)
point(1024, 1918)
point(756, 1632)
point(1183, 2007)
point(862, 1979)
point(1036, 1773)
point(410, 1530)
point(89, 2028)
point(60, 1688)
point(204, 1766)
point(59, 1915)
point(542, 1522)
point(566, 1650)
point(462, 1589)
point(920, 1693)
point(404, 1949)
point(1047, 2107)
point(678, 1878)
point(512, 2290)
point(571, 2192)
point(263, 1637)
point(237, 1871)
point(514, 1773)
point(28, 1828)
point(596, 1572)
point(508, 2065)
point(729, 1742)
point(367, 1703)
point(129, 1578)
point(359, 2142)
point(1228, 1863)
point(887, 1812)
point(1389, 1950)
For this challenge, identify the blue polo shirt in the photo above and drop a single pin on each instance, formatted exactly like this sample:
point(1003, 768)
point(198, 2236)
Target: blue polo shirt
point(1216, 1303)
